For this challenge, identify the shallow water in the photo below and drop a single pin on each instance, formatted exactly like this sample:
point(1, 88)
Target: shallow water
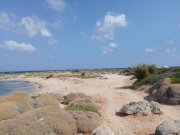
point(6, 87)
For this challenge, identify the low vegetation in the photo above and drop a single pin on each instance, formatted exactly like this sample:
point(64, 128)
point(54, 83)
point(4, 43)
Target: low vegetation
point(81, 102)
point(21, 114)
point(176, 78)
point(84, 107)
point(73, 96)
point(86, 122)
point(150, 74)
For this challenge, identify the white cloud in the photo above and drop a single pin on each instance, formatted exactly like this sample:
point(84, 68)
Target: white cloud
point(111, 21)
point(149, 50)
point(34, 26)
point(15, 46)
point(5, 21)
point(109, 48)
point(106, 27)
point(57, 5)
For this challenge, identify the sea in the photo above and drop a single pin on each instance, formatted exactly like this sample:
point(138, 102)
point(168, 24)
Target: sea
point(8, 86)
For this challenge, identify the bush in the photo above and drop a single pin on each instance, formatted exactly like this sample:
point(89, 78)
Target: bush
point(72, 96)
point(80, 101)
point(175, 78)
point(86, 122)
point(83, 74)
point(155, 78)
point(8, 110)
point(152, 69)
point(21, 99)
point(141, 72)
point(129, 71)
point(84, 108)
point(49, 99)
point(176, 70)
point(49, 76)
point(48, 120)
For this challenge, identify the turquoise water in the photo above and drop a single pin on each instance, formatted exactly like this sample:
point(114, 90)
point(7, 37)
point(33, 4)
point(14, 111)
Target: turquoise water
point(6, 87)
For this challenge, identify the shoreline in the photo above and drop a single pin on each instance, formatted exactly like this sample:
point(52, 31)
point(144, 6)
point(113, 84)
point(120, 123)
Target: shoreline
point(115, 90)
point(21, 80)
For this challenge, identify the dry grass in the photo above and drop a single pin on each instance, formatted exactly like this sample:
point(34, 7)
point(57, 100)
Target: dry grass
point(85, 108)
point(72, 96)
point(21, 99)
point(86, 121)
point(48, 99)
point(80, 101)
point(8, 110)
point(20, 116)
point(48, 120)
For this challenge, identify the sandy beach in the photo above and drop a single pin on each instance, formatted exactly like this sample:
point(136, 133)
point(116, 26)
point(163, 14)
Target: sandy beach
point(113, 91)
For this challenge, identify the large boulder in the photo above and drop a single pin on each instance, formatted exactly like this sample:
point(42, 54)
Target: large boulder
point(103, 130)
point(143, 108)
point(168, 94)
point(168, 128)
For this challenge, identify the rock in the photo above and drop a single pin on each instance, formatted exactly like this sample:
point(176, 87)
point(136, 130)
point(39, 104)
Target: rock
point(168, 128)
point(141, 108)
point(169, 94)
point(103, 130)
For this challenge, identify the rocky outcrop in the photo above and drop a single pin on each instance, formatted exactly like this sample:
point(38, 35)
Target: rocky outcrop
point(169, 128)
point(103, 130)
point(166, 93)
point(143, 108)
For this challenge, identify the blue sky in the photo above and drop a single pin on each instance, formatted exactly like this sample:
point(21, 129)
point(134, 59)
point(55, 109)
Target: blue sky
point(72, 34)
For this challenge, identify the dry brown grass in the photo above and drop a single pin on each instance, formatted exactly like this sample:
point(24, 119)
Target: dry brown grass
point(21, 99)
point(49, 99)
point(72, 96)
point(48, 120)
point(86, 121)
point(8, 110)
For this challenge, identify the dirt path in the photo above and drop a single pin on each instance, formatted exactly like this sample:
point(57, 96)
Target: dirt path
point(115, 89)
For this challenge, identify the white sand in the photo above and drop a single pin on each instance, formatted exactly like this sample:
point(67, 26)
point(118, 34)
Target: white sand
point(115, 90)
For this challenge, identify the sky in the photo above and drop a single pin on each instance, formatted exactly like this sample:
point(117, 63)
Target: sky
point(88, 34)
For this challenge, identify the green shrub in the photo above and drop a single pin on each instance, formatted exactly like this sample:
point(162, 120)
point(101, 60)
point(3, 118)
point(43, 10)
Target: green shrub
point(84, 108)
point(176, 70)
point(130, 71)
point(141, 72)
point(152, 69)
point(163, 70)
point(175, 78)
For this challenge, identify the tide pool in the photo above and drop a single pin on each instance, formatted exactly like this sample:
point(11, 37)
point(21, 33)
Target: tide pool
point(8, 86)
